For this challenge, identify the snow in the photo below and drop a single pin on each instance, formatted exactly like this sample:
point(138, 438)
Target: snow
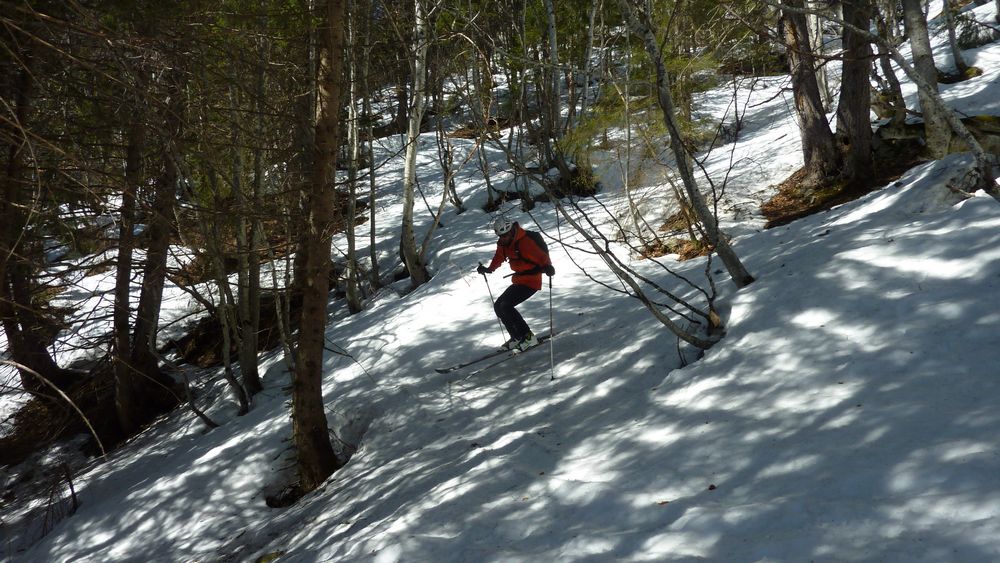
point(849, 414)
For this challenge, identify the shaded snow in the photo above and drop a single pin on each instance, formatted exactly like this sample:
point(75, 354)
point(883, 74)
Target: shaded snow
point(848, 414)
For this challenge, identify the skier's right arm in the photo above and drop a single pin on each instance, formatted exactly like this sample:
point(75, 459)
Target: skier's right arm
point(498, 259)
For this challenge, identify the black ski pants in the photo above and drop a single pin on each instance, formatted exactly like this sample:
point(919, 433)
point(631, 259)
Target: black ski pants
point(504, 307)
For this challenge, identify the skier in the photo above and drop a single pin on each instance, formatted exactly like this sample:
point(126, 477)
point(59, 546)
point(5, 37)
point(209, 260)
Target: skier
point(529, 260)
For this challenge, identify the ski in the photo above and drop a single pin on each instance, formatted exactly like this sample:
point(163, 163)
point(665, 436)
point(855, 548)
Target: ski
point(541, 339)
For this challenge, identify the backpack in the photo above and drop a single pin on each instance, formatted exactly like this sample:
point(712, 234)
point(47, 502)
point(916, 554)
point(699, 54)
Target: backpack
point(539, 240)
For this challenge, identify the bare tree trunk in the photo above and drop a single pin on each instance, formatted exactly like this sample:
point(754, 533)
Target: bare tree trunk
point(149, 390)
point(351, 276)
point(555, 125)
point(928, 89)
point(446, 157)
point(19, 318)
point(815, 23)
point(316, 459)
point(248, 235)
point(894, 89)
point(366, 111)
point(408, 244)
point(224, 305)
point(641, 26)
point(249, 306)
point(818, 143)
point(374, 274)
point(282, 313)
point(402, 100)
point(19, 324)
point(249, 290)
point(587, 55)
point(625, 163)
point(134, 179)
point(555, 92)
point(305, 133)
point(155, 267)
point(854, 131)
point(224, 313)
point(956, 51)
point(936, 130)
point(232, 311)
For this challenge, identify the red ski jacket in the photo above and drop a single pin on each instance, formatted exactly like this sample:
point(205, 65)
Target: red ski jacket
point(524, 255)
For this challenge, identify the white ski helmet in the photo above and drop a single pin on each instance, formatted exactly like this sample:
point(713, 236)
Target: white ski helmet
point(502, 226)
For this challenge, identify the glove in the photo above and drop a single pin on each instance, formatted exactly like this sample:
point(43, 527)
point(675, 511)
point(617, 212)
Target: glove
point(549, 270)
point(483, 270)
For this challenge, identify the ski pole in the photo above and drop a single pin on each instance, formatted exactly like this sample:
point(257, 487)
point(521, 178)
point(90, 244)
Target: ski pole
point(503, 335)
point(552, 338)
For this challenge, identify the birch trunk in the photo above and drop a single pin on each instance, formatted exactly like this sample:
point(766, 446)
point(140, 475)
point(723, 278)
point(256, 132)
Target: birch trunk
point(373, 272)
point(936, 130)
point(354, 154)
point(555, 93)
point(956, 51)
point(408, 244)
point(588, 54)
point(815, 23)
point(555, 123)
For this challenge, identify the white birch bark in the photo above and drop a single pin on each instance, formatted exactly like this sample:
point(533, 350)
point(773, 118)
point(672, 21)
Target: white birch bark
point(936, 131)
point(418, 65)
point(815, 23)
point(354, 151)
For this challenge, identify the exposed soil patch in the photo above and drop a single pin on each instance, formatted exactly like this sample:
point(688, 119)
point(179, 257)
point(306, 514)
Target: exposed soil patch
point(684, 248)
point(792, 202)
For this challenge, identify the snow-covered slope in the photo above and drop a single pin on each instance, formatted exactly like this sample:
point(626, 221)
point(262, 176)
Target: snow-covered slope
point(849, 413)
